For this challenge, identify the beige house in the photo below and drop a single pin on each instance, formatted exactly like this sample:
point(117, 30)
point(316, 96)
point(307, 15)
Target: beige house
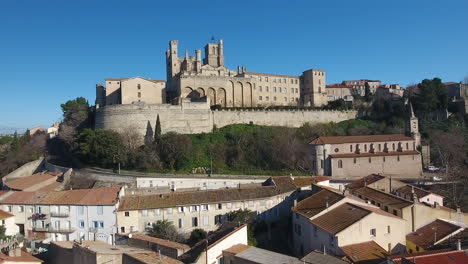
point(135, 90)
point(7, 220)
point(409, 192)
point(339, 91)
point(414, 212)
point(329, 220)
point(207, 209)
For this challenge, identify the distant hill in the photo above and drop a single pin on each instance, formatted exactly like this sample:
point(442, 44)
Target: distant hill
point(6, 130)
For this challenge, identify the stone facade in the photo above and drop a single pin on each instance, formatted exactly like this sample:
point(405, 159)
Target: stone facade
point(135, 90)
point(191, 77)
point(189, 117)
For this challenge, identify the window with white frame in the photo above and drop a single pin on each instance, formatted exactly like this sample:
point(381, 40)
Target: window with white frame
point(157, 211)
point(100, 210)
point(144, 212)
point(21, 208)
point(373, 232)
point(206, 220)
point(181, 223)
point(229, 205)
point(81, 224)
point(80, 209)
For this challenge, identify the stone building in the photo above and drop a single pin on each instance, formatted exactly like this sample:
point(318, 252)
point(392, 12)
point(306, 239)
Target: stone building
point(135, 90)
point(190, 76)
point(208, 208)
point(339, 91)
point(349, 157)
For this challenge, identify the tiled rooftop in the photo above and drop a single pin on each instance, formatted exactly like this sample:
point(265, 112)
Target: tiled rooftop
point(365, 253)
point(364, 181)
point(359, 139)
point(163, 242)
point(29, 181)
point(315, 257)
point(424, 237)
point(450, 257)
point(262, 256)
point(408, 190)
point(382, 197)
point(318, 202)
point(340, 218)
point(152, 257)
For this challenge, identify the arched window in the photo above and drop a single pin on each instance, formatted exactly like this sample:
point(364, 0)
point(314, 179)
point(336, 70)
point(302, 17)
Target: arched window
point(340, 164)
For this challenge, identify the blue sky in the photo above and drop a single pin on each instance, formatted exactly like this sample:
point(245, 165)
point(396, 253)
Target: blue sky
point(53, 50)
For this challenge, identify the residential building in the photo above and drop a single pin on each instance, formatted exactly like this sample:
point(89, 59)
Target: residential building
point(328, 220)
point(7, 220)
point(414, 212)
point(210, 250)
point(209, 208)
point(359, 86)
point(136, 90)
point(351, 223)
point(87, 214)
point(438, 234)
point(389, 91)
point(316, 257)
point(339, 91)
point(409, 192)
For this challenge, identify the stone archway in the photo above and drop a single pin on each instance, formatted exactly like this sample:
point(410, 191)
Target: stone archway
point(247, 95)
point(201, 92)
point(239, 94)
point(222, 97)
point(211, 93)
point(186, 92)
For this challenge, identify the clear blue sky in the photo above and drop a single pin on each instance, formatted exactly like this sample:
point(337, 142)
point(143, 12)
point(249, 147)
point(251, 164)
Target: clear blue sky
point(54, 50)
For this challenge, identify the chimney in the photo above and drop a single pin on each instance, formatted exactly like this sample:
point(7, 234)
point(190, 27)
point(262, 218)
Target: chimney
point(326, 204)
point(459, 244)
point(295, 202)
point(415, 198)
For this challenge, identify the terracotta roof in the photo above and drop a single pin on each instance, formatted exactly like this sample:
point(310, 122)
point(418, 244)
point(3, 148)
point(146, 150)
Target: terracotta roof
point(451, 257)
point(270, 74)
point(263, 256)
point(237, 248)
point(340, 218)
point(159, 241)
point(356, 184)
point(115, 79)
point(366, 252)
point(196, 197)
point(49, 188)
point(25, 257)
point(5, 215)
point(359, 139)
point(152, 257)
point(408, 190)
point(29, 181)
point(375, 154)
point(424, 237)
point(382, 197)
point(318, 202)
point(99, 196)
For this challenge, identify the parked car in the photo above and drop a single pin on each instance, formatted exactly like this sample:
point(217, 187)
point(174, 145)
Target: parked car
point(436, 178)
point(432, 168)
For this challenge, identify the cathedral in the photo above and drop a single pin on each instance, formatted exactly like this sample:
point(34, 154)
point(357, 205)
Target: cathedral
point(193, 77)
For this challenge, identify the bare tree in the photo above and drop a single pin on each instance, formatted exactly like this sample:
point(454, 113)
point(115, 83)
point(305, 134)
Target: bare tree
point(450, 149)
point(131, 139)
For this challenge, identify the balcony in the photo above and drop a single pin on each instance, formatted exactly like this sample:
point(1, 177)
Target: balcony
point(60, 214)
point(40, 229)
point(61, 229)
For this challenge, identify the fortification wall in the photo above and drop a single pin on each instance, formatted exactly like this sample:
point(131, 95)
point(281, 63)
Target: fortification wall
point(287, 118)
point(196, 117)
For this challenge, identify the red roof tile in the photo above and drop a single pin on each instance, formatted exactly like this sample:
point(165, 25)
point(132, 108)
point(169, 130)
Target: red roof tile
point(359, 139)
point(366, 252)
point(408, 190)
point(318, 202)
point(426, 236)
point(28, 182)
point(451, 257)
point(364, 181)
point(25, 257)
point(4, 215)
point(340, 218)
point(159, 241)
point(375, 154)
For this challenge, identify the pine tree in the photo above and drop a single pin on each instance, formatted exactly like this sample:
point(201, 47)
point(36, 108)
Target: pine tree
point(157, 130)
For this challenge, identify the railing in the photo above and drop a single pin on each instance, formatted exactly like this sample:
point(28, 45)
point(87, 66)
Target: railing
point(60, 214)
point(54, 229)
point(61, 229)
